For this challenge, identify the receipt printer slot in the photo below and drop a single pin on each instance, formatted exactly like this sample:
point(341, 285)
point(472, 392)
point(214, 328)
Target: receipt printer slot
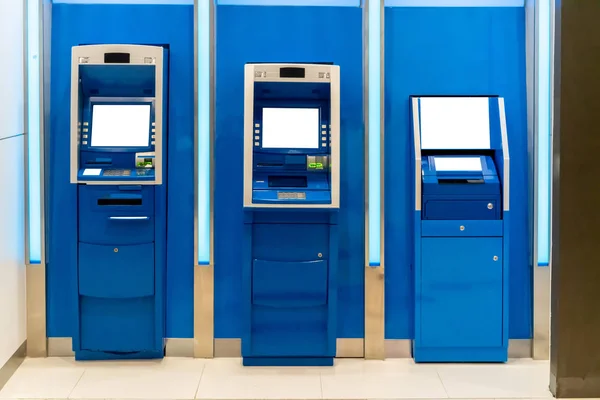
point(288, 181)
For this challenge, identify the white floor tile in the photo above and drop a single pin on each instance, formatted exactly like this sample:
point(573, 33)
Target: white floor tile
point(228, 379)
point(171, 378)
point(513, 380)
point(178, 378)
point(43, 378)
point(392, 379)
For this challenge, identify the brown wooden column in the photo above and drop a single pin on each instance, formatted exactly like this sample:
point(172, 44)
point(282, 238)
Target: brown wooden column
point(575, 325)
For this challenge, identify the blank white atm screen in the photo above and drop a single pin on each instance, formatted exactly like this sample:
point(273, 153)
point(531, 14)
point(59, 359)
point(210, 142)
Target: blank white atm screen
point(290, 128)
point(120, 125)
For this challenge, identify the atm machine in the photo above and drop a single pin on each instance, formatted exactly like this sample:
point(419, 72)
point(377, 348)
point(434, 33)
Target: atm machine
point(291, 202)
point(118, 162)
point(461, 198)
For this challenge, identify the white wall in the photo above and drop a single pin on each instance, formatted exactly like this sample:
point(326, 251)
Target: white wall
point(12, 263)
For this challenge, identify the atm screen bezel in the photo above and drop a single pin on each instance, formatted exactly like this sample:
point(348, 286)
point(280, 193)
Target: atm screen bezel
point(295, 150)
point(88, 111)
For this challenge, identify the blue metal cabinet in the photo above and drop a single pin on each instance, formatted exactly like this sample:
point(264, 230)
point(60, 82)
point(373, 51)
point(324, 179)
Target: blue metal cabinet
point(116, 215)
point(116, 271)
point(117, 283)
point(290, 280)
point(289, 301)
point(468, 308)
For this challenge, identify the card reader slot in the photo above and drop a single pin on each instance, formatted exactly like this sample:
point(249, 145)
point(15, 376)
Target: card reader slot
point(288, 181)
point(120, 202)
point(98, 163)
point(454, 181)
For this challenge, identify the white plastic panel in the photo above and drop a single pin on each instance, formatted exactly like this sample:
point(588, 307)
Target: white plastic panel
point(455, 123)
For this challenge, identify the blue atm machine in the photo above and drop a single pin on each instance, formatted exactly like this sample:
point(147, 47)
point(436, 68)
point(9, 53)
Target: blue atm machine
point(291, 202)
point(118, 138)
point(461, 199)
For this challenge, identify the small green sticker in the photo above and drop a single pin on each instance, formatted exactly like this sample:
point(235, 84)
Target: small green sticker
point(315, 165)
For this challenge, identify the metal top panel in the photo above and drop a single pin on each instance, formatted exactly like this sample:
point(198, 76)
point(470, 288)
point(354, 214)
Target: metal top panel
point(312, 72)
point(139, 55)
point(95, 55)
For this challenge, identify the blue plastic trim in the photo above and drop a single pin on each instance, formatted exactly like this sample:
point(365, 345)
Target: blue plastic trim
point(374, 133)
point(162, 2)
point(203, 150)
point(34, 181)
point(544, 133)
point(455, 3)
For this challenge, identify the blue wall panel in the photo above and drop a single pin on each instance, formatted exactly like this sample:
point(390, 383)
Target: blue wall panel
point(452, 51)
point(287, 34)
point(76, 24)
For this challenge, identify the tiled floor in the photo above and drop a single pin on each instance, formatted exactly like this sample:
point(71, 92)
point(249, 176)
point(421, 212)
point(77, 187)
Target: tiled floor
point(182, 378)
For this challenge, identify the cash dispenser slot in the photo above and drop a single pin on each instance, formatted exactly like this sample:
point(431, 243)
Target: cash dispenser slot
point(288, 182)
point(116, 214)
point(269, 164)
point(281, 162)
point(459, 181)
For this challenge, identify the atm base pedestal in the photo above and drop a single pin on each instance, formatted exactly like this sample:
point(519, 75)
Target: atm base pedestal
point(290, 288)
point(288, 361)
point(459, 354)
point(85, 355)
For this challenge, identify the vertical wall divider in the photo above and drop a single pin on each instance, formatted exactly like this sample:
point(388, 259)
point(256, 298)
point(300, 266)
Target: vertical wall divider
point(36, 271)
point(374, 272)
point(541, 274)
point(204, 272)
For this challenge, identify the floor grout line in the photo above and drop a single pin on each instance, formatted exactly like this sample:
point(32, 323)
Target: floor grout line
point(437, 371)
point(76, 383)
point(200, 380)
point(321, 384)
